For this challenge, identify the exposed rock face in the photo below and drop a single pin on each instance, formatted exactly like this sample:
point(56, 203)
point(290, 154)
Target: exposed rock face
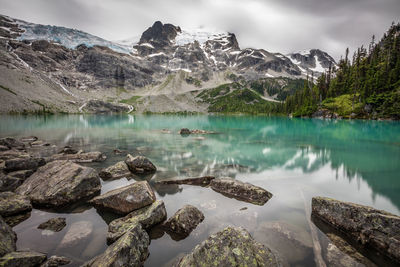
point(126, 199)
point(11, 143)
point(373, 228)
point(77, 232)
point(232, 246)
point(12, 204)
point(22, 258)
point(55, 261)
point(23, 164)
point(240, 190)
point(118, 170)
point(98, 106)
point(84, 157)
point(159, 35)
point(7, 238)
point(184, 221)
point(202, 181)
point(54, 224)
point(129, 250)
point(313, 60)
point(147, 217)
point(59, 183)
point(139, 164)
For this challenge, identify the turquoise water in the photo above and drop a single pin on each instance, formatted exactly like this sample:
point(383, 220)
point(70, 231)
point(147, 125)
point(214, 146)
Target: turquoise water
point(295, 159)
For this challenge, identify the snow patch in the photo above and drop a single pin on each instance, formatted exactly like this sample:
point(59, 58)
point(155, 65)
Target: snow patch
point(188, 36)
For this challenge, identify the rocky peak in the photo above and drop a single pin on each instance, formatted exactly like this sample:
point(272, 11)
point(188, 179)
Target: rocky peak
point(313, 60)
point(159, 35)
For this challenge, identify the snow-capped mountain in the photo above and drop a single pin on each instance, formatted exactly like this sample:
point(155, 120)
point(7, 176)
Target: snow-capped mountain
point(312, 61)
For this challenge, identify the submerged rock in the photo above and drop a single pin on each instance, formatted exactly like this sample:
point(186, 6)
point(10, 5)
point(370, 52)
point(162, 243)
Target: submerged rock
point(7, 238)
point(22, 258)
point(59, 183)
point(12, 204)
point(375, 229)
point(129, 250)
point(202, 181)
point(126, 199)
point(118, 170)
point(240, 190)
point(77, 232)
point(139, 164)
point(83, 157)
point(54, 224)
point(147, 217)
point(55, 261)
point(18, 164)
point(184, 131)
point(184, 221)
point(232, 246)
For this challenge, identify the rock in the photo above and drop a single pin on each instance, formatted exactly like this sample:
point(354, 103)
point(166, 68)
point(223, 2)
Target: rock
point(202, 181)
point(54, 224)
point(83, 157)
point(23, 164)
point(22, 258)
point(29, 139)
point(118, 170)
point(12, 204)
point(147, 217)
point(126, 199)
point(7, 238)
point(375, 229)
point(9, 183)
point(55, 261)
point(59, 183)
point(98, 106)
point(12, 154)
point(11, 143)
point(4, 148)
point(184, 131)
point(184, 221)
point(198, 131)
point(233, 246)
point(77, 232)
point(68, 150)
point(240, 190)
point(129, 250)
point(139, 164)
point(17, 219)
point(22, 174)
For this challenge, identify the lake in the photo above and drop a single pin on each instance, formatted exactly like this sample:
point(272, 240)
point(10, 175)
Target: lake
point(295, 159)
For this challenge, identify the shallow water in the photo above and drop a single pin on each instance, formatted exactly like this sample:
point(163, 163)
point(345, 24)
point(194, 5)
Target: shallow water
point(295, 159)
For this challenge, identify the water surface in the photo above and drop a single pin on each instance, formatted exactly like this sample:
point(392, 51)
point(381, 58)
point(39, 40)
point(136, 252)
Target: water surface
point(295, 159)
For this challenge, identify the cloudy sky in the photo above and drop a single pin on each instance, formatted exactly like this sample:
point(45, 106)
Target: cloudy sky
point(275, 25)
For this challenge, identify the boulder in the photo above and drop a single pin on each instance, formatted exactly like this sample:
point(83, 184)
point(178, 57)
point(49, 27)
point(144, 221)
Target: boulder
point(22, 258)
point(202, 181)
point(68, 150)
point(240, 190)
point(11, 143)
point(17, 219)
point(184, 221)
point(84, 157)
point(77, 232)
point(9, 183)
point(147, 217)
point(12, 204)
point(129, 250)
point(12, 154)
point(59, 183)
point(116, 171)
point(126, 199)
point(18, 164)
point(233, 246)
point(139, 164)
point(54, 224)
point(184, 131)
point(55, 261)
point(372, 228)
point(7, 238)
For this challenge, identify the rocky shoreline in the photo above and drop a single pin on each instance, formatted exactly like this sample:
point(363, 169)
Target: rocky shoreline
point(28, 180)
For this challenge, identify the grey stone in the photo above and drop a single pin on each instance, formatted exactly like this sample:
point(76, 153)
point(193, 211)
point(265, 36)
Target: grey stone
point(53, 224)
point(7, 238)
point(22, 258)
point(184, 221)
point(139, 164)
point(12, 204)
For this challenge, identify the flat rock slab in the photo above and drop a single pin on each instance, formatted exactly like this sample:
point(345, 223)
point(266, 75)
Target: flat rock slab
point(147, 217)
point(77, 232)
point(11, 143)
point(84, 157)
point(7, 238)
point(240, 190)
point(184, 221)
point(373, 228)
point(116, 171)
point(59, 183)
point(202, 181)
point(12, 154)
point(129, 250)
point(18, 164)
point(54, 224)
point(232, 246)
point(139, 164)
point(126, 199)
point(22, 258)
point(12, 204)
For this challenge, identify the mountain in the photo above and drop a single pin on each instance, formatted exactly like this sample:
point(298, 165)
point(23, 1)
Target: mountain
point(56, 69)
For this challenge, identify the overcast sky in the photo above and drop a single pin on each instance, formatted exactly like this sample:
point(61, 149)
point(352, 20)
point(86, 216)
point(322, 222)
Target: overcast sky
point(277, 26)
